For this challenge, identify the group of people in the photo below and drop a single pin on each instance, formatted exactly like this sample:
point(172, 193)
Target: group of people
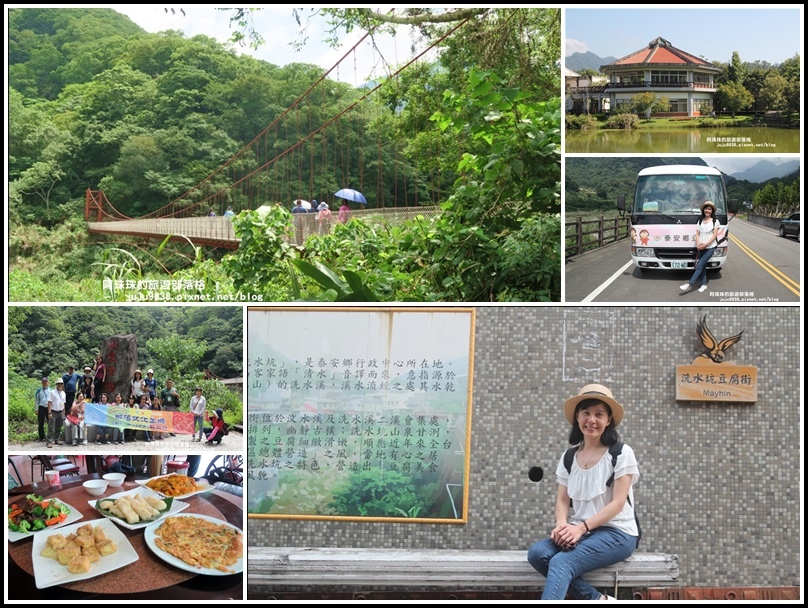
point(304, 211)
point(65, 407)
point(228, 213)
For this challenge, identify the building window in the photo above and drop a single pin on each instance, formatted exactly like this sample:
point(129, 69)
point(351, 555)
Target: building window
point(678, 105)
point(631, 77)
point(701, 78)
point(668, 76)
point(702, 106)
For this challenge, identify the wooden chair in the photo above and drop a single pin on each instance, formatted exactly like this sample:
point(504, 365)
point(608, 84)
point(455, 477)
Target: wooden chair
point(64, 468)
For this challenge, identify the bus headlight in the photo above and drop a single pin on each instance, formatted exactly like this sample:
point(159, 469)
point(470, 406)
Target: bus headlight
point(643, 252)
point(720, 252)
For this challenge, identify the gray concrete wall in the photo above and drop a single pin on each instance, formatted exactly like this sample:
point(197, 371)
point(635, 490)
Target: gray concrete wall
point(771, 222)
point(719, 485)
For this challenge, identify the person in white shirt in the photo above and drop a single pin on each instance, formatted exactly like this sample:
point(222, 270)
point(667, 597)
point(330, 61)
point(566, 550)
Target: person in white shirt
point(198, 405)
point(56, 410)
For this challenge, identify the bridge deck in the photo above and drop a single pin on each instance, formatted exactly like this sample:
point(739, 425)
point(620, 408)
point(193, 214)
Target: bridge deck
point(218, 231)
point(209, 231)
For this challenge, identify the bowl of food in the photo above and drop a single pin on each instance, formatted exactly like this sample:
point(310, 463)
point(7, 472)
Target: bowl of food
point(115, 479)
point(96, 487)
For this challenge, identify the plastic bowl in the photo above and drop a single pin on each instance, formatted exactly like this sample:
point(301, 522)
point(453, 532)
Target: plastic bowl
point(96, 487)
point(115, 479)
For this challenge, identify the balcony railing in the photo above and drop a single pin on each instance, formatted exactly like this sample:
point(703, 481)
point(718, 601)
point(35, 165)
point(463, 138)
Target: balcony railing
point(659, 84)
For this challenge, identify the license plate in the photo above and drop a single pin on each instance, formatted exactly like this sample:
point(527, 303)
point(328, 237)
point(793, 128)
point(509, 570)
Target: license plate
point(678, 264)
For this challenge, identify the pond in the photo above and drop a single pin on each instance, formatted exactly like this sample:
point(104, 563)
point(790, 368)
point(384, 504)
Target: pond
point(756, 140)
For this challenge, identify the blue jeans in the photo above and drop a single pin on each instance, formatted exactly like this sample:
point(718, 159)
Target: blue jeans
point(199, 421)
point(701, 266)
point(563, 569)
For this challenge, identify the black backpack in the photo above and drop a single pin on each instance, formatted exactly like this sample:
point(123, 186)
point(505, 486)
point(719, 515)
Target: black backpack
point(615, 450)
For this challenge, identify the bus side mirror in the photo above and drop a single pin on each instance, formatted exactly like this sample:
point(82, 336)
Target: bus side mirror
point(621, 203)
point(733, 206)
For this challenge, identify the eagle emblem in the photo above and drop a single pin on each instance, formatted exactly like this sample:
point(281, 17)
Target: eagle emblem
point(716, 351)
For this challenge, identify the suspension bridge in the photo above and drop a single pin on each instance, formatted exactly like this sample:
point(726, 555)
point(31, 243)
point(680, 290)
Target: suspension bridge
point(308, 152)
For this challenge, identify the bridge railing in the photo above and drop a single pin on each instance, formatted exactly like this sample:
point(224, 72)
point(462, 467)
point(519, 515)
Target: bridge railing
point(306, 224)
point(581, 235)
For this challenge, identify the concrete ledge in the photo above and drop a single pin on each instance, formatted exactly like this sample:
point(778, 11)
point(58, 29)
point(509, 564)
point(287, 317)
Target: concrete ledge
point(334, 569)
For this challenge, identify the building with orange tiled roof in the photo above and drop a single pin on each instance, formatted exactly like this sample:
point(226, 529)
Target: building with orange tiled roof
point(687, 81)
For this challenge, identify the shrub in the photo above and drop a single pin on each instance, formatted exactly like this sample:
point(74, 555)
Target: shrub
point(623, 121)
point(584, 122)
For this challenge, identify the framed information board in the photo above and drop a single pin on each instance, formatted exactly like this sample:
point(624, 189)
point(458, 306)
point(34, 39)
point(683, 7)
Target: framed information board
point(359, 413)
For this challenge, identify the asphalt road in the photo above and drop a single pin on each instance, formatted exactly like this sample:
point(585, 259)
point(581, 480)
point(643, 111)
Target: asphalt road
point(761, 267)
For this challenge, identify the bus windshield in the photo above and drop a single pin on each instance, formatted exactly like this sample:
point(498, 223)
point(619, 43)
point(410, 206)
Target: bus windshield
point(678, 194)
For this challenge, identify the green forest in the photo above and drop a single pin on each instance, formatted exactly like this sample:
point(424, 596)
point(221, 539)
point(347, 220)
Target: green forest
point(177, 342)
point(97, 103)
point(593, 184)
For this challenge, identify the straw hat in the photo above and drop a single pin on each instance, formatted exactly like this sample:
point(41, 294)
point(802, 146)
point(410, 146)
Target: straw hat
point(705, 203)
point(594, 391)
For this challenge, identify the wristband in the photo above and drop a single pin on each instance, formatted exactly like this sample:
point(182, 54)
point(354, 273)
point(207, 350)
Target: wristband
point(587, 527)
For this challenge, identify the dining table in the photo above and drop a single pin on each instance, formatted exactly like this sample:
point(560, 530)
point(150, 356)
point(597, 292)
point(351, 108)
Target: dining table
point(150, 577)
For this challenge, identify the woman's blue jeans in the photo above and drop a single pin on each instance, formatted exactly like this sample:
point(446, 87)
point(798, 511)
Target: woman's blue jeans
point(563, 569)
point(701, 266)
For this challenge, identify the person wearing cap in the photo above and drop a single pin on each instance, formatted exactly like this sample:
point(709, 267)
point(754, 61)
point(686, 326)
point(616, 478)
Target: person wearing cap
point(151, 384)
point(198, 405)
point(41, 397)
point(72, 382)
point(323, 218)
point(594, 517)
point(216, 432)
point(56, 411)
point(707, 229)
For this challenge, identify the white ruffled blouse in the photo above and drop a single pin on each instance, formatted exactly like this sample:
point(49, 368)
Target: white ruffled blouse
point(589, 493)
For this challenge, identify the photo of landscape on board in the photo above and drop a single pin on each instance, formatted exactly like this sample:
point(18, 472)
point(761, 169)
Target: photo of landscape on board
point(368, 416)
point(704, 81)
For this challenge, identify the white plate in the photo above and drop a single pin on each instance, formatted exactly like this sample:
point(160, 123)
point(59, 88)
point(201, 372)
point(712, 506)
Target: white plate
point(149, 536)
point(176, 507)
point(73, 516)
point(204, 486)
point(49, 572)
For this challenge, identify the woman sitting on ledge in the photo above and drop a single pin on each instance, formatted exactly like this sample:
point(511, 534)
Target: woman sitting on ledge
point(601, 530)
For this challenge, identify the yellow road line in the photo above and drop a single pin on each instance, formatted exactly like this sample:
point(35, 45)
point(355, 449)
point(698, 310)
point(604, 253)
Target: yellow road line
point(789, 283)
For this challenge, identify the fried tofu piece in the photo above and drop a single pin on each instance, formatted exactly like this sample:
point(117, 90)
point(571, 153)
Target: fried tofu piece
point(49, 552)
point(85, 530)
point(85, 541)
point(79, 565)
point(57, 541)
point(99, 534)
point(106, 547)
point(68, 552)
point(91, 553)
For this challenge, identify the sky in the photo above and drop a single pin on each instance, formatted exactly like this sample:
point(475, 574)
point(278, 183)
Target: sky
point(735, 164)
point(771, 34)
point(278, 27)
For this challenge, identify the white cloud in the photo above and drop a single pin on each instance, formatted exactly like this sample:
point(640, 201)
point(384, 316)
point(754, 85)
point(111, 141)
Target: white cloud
point(278, 28)
point(574, 46)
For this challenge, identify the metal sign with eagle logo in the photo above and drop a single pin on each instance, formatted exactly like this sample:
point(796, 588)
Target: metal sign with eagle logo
point(710, 377)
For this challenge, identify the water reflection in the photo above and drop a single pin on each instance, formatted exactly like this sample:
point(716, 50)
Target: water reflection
point(756, 140)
